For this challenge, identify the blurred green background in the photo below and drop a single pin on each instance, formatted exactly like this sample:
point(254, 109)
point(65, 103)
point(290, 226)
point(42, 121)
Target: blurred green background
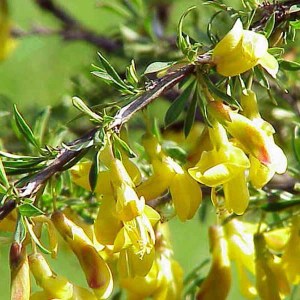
point(41, 72)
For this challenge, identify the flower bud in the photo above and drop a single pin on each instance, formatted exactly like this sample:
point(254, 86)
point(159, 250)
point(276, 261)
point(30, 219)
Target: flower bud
point(20, 279)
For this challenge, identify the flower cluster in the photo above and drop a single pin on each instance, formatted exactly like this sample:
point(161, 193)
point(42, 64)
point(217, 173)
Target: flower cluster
point(265, 261)
point(250, 153)
point(126, 227)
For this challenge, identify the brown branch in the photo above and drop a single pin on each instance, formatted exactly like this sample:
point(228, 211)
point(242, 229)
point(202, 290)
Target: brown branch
point(6, 208)
point(281, 10)
point(74, 30)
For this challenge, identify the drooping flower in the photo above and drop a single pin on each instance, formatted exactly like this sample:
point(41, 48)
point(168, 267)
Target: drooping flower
point(224, 165)
point(291, 254)
point(135, 240)
point(168, 174)
point(97, 272)
point(271, 280)
point(240, 50)
point(260, 173)
point(255, 136)
point(218, 281)
point(163, 281)
point(239, 236)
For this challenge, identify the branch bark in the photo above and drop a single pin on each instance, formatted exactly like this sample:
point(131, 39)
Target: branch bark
point(74, 30)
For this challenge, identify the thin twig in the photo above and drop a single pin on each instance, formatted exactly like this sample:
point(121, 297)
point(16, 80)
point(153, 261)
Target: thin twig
point(74, 30)
point(66, 154)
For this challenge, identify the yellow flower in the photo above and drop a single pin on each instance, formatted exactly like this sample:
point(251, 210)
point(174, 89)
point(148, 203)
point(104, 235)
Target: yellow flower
point(254, 136)
point(224, 165)
point(167, 174)
point(271, 280)
point(79, 293)
point(55, 286)
point(163, 281)
point(80, 176)
point(135, 242)
point(277, 239)
point(217, 283)
point(240, 50)
point(291, 254)
point(107, 224)
point(239, 236)
point(7, 44)
point(260, 173)
point(98, 274)
point(20, 277)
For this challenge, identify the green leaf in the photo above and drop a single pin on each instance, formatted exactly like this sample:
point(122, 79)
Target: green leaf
point(40, 126)
point(110, 74)
point(35, 239)
point(261, 77)
point(220, 94)
point(175, 151)
point(202, 103)
point(295, 24)
point(3, 177)
point(24, 129)
point(94, 171)
point(158, 66)
point(29, 210)
point(131, 74)
point(183, 42)
point(209, 32)
point(177, 107)
point(79, 104)
point(124, 146)
point(20, 232)
point(294, 8)
point(276, 51)
point(269, 25)
point(190, 117)
point(289, 65)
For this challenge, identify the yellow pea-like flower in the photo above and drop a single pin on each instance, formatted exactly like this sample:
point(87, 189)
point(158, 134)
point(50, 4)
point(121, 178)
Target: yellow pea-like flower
point(164, 281)
point(79, 293)
point(291, 254)
point(97, 272)
point(277, 239)
point(19, 268)
point(224, 165)
point(186, 195)
point(271, 280)
point(218, 281)
point(261, 173)
point(240, 50)
point(254, 136)
point(55, 286)
point(168, 174)
point(107, 224)
point(239, 236)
